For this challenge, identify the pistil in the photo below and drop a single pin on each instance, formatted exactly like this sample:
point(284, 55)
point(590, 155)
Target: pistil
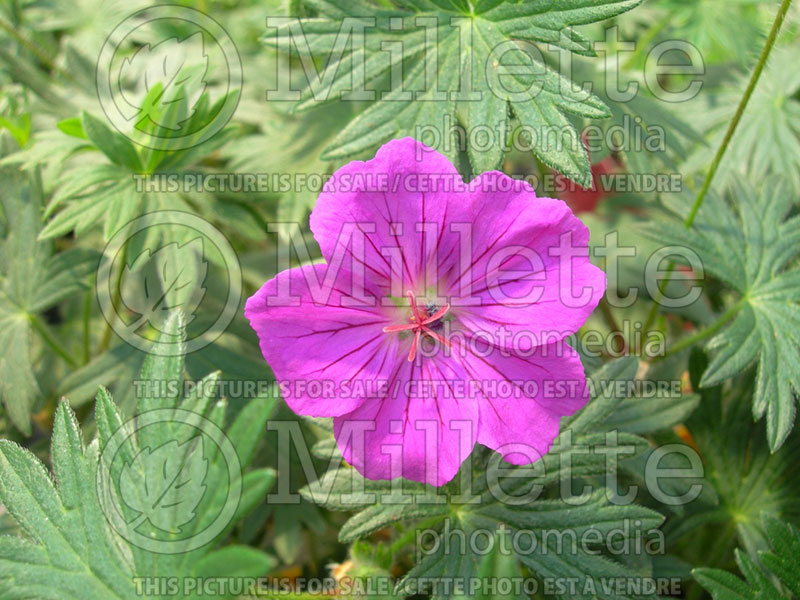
point(421, 325)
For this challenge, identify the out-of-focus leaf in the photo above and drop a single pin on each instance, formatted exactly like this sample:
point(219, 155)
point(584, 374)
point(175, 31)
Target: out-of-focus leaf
point(750, 245)
point(781, 562)
point(429, 97)
point(70, 549)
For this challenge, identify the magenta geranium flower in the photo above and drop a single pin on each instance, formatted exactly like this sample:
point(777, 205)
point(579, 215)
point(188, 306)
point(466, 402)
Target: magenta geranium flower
point(438, 319)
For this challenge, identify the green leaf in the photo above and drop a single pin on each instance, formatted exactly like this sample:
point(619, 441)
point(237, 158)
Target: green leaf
point(749, 244)
point(111, 143)
point(300, 136)
point(80, 385)
point(474, 501)
point(73, 127)
point(64, 274)
point(647, 119)
point(69, 554)
point(235, 561)
point(290, 522)
point(723, 585)
point(781, 563)
point(18, 387)
point(71, 551)
point(545, 521)
point(462, 85)
point(743, 481)
point(32, 280)
point(173, 478)
point(166, 369)
point(647, 415)
point(122, 210)
point(79, 216)
point(154, 283)
point(92, 178)
point(103, 186)
point(19, 127)
point(604, 399)
point(698, 24)
point(785, 541)
point(193, 150)
point(767, 140)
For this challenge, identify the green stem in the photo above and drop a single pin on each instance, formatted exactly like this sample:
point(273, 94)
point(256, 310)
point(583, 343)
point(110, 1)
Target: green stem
point(751, 86)
point(737, 117)
point(703, 333)
point(51, 342)
point(34, 49)
point(87, 312)
point(608, 315)
point(27, 44)
point(662, 286)
point(116, 297)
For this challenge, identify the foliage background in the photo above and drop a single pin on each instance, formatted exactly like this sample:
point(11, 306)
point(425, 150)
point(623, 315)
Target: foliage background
point(67, 187)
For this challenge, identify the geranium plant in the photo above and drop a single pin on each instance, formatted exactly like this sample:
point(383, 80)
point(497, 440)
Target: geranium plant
point(399, 298)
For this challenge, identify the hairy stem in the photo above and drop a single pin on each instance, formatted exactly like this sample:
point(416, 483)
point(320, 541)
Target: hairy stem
point(691, 340)
point(737, 117)
point(116, 298)
point(87, 313)
point(51, 341)
point(27, 44)
point(608, 315)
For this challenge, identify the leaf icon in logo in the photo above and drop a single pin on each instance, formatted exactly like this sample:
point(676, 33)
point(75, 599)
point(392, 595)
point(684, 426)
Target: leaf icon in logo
point(165, 485)
point(171, 277)
point(175, 70)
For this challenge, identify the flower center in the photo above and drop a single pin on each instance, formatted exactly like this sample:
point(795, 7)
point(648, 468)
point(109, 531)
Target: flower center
point(425, 321)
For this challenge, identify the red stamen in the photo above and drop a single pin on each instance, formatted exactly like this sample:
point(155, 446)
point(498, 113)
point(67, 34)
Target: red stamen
point(392, 328)
point(420, 326)
point(413, 352)
point(438, 337)
point(414, 308)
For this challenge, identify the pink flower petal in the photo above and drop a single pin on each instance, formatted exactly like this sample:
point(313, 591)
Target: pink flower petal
point(421, 430)
point(488, 294)
point(522, 399)
point(385, 199)
point(312, 342)
point(515, 275)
